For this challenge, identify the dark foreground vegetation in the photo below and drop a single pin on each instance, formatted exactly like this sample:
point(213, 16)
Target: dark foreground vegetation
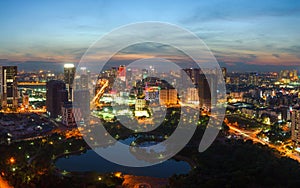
point(238, 163)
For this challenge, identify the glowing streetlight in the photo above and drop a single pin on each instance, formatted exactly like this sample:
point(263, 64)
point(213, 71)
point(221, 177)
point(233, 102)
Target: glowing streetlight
point(12, 160)
point(118, 174)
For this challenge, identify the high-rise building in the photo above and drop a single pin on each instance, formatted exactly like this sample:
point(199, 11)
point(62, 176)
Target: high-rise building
point(82, 101)
point(192, 96)
point(84, 81)
point(152, 93)
point(193, 74)
point(140, 104)
point(168, 97)
point(70, 114)
point(287, 75)
point(253, 79)
point(25, 99)
point(69, 75)
point(56, 96)
point(296, 126)
point(122, 72)
point(129, 78)
point(204, 83)
point(207, 83)
point(8, 89)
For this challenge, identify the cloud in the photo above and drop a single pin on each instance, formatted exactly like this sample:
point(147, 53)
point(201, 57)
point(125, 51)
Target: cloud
point(3, 60)
point(241, 10)
point(292, 50)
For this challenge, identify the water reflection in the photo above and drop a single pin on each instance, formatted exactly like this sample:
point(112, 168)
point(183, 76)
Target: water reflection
point(90, 161)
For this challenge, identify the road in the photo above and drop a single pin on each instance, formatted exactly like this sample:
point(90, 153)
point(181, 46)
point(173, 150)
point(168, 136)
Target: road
point(252, 135)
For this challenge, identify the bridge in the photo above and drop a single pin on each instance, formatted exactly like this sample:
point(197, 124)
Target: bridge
point(32, 83)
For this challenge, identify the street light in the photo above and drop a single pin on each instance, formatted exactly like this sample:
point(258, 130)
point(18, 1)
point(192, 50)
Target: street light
point(118, 174)
point(12, 160)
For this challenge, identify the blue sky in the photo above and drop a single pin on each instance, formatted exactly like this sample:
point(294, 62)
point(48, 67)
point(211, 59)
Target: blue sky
point(237, 31)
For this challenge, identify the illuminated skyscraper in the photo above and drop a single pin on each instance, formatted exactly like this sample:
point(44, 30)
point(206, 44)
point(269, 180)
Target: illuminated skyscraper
point(168, 97)
point(82, 102)
point(84, 78)
point(192, 95)
point(70, 114)
point(8, 89)
point(122, 72)
point(193, 74)
point(69, 74)
point(296, 126)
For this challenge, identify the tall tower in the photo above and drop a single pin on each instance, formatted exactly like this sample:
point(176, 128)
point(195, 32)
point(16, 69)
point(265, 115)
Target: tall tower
point(122, 72)
point(8, 89)
point(193, 74)
point(55, 97)
point(69, 74)
point(296, 126)
point(207, 89)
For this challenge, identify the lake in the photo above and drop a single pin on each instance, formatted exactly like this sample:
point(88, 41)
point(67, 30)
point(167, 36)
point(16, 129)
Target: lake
point(91, 161)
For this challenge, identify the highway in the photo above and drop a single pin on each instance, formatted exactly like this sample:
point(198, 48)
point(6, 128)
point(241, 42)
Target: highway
point(252, 135)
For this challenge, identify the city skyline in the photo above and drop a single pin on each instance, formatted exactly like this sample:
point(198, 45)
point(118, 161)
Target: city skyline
point(240, 34)
point(261, 113)
point(148, 94)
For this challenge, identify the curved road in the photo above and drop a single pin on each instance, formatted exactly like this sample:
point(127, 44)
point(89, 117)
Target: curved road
point(252, 136)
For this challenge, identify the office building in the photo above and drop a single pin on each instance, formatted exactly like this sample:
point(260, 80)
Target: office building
point(122, 72)
point(296, 126)
point(168, 97)
point(193, 74)
point(25, 100)
point(253, 79)
point(82, 101)
point(56, 96)
point(69, 75)
point(206, 83)
point(192, 96)
point(8, 90)
point(70, 114)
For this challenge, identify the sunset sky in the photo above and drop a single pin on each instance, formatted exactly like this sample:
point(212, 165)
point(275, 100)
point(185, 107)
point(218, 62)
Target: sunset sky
point(238, 32)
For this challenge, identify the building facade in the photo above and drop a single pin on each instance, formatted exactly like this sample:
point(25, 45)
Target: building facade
point(70, 114)
point(56, 96)
point(296, 126)
point(168, 97)
point(82, 101)
point(8, 90)
point(69, 75)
